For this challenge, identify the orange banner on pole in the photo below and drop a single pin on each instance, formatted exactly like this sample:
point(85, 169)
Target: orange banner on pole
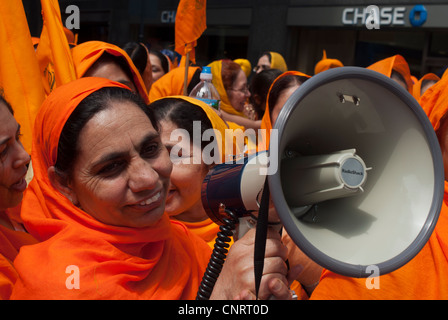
point(20, 79)
point(53, 52)
point(189, 25)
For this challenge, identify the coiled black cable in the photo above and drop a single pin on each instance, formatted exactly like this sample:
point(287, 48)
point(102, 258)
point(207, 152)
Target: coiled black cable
point(218, 257)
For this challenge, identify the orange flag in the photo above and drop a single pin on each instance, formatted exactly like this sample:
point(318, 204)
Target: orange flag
point(189, 26)
point(53, 52)
point(20, 78)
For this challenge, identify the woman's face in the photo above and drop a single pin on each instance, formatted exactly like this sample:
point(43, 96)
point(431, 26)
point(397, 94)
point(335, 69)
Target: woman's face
point(121, 175)
point(282, 98)
point(112, 71)
point(157, 70)
point(188, 173)
point(13, 161)
point(239, 93)
point(263, 64)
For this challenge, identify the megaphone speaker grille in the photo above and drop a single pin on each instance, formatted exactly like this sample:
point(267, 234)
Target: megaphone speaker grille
point(387, 223)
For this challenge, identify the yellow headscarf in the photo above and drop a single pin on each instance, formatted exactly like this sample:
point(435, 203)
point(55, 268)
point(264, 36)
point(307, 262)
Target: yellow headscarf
point(278, 62)
point(245, 65)
point(216, 68)
point(326, 64)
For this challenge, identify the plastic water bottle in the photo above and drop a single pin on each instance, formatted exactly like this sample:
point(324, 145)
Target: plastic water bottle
point(205, 90)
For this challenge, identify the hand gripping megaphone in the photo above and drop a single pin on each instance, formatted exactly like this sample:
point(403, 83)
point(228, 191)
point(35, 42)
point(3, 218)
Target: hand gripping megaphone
point(360, 174)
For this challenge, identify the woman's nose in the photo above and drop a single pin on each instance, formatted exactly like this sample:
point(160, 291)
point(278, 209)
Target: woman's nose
point(22, 158)
point(142, 176)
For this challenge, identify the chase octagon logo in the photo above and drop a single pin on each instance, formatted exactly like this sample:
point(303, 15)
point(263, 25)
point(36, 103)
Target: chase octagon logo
point(418, 15)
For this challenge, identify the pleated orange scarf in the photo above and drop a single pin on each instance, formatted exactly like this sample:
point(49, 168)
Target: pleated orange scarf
point(397, 63)
point(164, 261)
point(87, 53)
point(425, 276)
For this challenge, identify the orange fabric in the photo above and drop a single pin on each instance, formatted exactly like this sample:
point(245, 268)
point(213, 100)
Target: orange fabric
point(266, 124)
point(397, 63)
point(164, 261)
point(189, 25)
point(20, 79)
point(216, 69)
point(435, 102)
point(423, 278)
point(326, 64)
point(10, 243)
point(87, 53)
point(53, 52)
point(207, 230)
point(418, 84)
point(171, 84)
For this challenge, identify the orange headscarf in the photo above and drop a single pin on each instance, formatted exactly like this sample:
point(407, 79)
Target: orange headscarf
point(171, 84)
point(425, 276)
point(326, 64)
point(418, 84)
point(395, 63)
point(87, 53)
point(266, 124)
point(164, 261)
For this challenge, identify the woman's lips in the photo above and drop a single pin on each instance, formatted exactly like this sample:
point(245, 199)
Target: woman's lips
point(19, 186)
point(149, 203)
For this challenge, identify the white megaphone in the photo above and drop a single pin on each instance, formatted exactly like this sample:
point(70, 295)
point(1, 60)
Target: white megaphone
point(360, 174)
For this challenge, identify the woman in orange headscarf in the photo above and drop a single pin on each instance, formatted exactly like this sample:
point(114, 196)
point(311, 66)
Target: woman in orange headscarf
point(97, 204)
point(280, 90)
point(102, 59)
point(397, 69)
point(184, 201)
point(425, 276)
point(326, 64)
point(231, 83)
point(13, 167)
point(424, 84)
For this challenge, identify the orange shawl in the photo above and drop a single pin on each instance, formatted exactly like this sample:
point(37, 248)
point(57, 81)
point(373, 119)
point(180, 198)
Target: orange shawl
point(164, 261)
point(266, 124)
point(425, 276)
point(10, 243)
point(326, 64)
point(87, 53)
point(171, 84)
point(397, 63)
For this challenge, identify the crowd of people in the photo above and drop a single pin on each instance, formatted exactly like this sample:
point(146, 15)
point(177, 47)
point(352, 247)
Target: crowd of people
point(104, 198)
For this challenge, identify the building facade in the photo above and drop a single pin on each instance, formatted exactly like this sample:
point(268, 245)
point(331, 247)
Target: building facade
point(298, 29)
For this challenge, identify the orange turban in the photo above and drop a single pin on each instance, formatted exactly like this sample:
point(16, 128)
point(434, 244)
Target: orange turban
point(326, 64)
point(87, 53)
point(171, 84)
point(164, 261)
point(395, 63)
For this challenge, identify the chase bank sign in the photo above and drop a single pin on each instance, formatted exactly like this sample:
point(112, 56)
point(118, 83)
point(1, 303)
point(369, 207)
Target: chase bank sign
point(373, 17)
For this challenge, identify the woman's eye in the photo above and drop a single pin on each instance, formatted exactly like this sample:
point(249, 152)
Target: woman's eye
point(111, 168)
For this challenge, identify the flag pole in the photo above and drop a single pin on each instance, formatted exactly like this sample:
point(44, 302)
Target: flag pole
point(187, 62)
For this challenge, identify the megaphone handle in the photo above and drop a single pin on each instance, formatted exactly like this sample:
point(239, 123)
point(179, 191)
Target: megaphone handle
point(217, 259)
point(261, 236)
